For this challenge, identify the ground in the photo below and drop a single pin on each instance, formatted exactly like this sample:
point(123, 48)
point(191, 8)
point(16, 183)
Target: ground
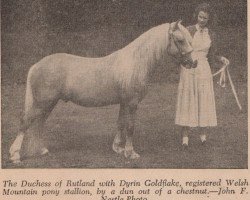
point(79, 137)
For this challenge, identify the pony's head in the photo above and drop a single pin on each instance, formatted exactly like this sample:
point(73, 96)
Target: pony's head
point(180, 44)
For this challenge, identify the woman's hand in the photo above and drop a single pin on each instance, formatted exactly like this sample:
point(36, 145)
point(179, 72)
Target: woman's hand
point(224, 60)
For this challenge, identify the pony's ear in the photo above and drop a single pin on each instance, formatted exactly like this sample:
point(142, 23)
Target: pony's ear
point(179, 23)
point(176, 24)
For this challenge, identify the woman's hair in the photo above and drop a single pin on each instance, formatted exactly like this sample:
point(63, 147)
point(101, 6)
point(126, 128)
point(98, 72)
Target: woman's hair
point(205, 7)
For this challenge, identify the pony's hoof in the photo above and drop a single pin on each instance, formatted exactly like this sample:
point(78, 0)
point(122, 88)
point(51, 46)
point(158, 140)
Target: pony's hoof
point(15, 158)
point(16, 162)
point(131, 154)
point(44, 151)
point(118, 149)
point(135, 155)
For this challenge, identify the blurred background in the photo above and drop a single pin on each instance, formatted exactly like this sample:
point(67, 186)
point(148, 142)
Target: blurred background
point(32, 29)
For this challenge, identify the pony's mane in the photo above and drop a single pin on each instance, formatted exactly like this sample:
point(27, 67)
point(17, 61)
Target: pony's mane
point(139, 57)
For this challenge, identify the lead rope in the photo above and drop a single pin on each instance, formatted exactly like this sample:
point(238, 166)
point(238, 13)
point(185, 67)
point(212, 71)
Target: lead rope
point(222, 82)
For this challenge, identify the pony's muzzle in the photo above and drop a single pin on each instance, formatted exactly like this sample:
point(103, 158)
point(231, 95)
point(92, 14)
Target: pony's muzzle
point(189, 62)
point(194, 64)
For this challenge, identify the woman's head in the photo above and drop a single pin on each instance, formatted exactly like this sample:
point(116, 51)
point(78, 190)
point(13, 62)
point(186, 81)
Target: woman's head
point(203, 15)
point(203, 18)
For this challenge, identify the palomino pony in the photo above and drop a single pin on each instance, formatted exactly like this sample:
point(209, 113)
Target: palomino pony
point(119, 78)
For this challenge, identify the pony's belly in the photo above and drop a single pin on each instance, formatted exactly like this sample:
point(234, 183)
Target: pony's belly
point(95, 102)
point(92, 97)
point(90, 86)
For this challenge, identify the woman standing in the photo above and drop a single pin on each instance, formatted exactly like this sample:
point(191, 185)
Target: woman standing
point(195, 101)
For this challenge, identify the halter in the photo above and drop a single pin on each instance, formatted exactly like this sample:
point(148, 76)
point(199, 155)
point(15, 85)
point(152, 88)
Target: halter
point(181, 53)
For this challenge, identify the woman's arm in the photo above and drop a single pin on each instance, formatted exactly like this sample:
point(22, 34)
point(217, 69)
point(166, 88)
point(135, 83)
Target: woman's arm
point(216, 60)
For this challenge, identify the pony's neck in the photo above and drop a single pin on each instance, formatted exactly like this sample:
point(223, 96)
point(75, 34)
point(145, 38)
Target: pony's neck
point(149, 50)
point(138, 60)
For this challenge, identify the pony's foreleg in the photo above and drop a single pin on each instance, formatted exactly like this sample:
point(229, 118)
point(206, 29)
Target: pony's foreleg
point(131, 114)
point(121, 126)
point(117, 142)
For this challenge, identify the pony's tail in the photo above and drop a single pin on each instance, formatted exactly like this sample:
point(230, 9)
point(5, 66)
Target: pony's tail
point(28, 95)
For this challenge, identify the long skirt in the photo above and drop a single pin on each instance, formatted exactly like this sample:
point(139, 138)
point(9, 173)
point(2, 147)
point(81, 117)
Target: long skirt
point(195, 99)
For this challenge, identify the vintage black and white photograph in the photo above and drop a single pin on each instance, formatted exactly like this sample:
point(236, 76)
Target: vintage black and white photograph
point(124, 84)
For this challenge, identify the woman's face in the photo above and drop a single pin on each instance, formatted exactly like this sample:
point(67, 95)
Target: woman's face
point(202, 19)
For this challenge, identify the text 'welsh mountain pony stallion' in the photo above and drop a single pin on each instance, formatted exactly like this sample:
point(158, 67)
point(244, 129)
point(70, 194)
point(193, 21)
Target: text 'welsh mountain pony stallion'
point(119, 78)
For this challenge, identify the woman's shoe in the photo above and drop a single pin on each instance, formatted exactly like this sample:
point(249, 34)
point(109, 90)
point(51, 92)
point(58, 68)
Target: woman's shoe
point(203, 138)
point(185, 141)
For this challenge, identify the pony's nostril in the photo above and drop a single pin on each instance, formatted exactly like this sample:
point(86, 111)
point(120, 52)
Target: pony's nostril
point(195, 64)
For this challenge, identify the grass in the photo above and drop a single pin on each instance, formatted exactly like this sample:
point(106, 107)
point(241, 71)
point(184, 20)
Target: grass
point(80, 137)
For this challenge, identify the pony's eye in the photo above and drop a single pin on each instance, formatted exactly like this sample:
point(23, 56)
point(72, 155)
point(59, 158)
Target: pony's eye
point(181, 41)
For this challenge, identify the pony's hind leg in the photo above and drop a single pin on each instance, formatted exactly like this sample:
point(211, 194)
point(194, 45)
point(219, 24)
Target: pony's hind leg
point(34, 119)
point(16, 147)
point(121, 125)
point(26, 122)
